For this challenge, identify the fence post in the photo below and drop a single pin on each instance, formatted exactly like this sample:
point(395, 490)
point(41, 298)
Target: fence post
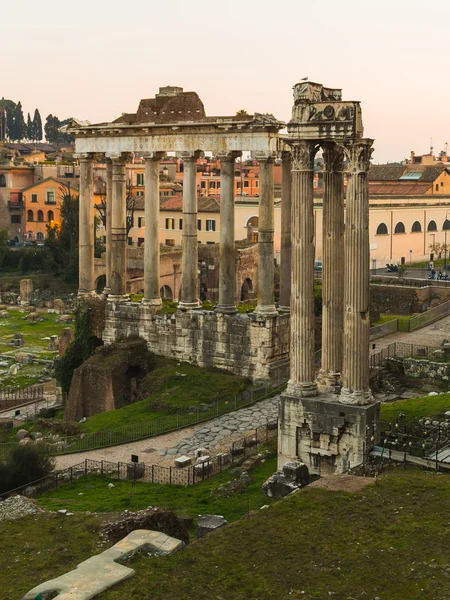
point(101, 468)
point(56, 480)
point(256, 437)
point(118, 471)
point(71, 474)
point(170, 474)
point(85, 466)
point(153, 473)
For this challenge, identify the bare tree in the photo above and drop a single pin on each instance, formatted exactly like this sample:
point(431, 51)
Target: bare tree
point(131, 204)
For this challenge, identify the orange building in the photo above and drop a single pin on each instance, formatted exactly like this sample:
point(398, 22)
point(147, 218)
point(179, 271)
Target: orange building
point(41, 205)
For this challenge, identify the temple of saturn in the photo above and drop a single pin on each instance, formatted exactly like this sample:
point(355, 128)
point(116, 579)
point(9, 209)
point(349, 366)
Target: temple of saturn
point(327, 419)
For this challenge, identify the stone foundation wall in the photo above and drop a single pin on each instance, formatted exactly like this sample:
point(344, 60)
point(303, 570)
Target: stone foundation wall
point(326, 435)
point(404, 300)
point(246, 345)
point(423, 369)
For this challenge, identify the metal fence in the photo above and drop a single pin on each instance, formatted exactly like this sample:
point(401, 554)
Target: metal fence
point(431, 315)
point(401, 350)
point(12, 397)
point(378, 331)
point(240, 449)
point(146, 429)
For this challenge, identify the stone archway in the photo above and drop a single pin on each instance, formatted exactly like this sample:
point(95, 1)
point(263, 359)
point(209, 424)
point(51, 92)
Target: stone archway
point(247, 289)
point(166, 293)
point(100, 284)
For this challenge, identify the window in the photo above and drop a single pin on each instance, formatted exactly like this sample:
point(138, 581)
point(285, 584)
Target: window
point(170, 242)
point(437, 187)
point(50, 216)
point(104, 239)
point(238, 185)
point(16, 218)
point(40, 216)
point(199, 224)
point(203, 185)
point(40, 236)
point(50, 197)
point(130, 241)
point(141, 221)
point(417, 227)
point(212, 185)
point(442, 184)
point(246, 183)
point(140, 242)
point(218, 185)
point(432, 226)
point(399, 228)
point(210, 225)
point(2, 181)
point(30, 216)
point(256, 183)
point(140, 178)
point(140, 194)
point(382, 229)
point(170, 223)
point(210, 242)
point(34, 197)
point(181, 224)
point(130, 221)
point(446, 225)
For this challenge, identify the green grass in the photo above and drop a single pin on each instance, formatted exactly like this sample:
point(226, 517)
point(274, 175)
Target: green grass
point(191, 501)
point(175, 386)
point(416, 408)
point(389, 541)
point(33, 344)
point(403, 321)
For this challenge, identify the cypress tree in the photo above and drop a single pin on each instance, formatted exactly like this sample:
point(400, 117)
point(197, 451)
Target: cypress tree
point(37, 126)
point(30, 134)
point(20, 128)
point(10, 124)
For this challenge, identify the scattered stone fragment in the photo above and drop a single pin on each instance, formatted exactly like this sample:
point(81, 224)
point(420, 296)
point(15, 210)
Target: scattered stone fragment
point(208, 523)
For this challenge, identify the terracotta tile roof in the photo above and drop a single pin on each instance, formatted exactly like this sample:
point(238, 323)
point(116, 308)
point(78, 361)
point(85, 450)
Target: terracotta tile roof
point(386, 172)
point(205, 204)
point(399, 188)
point(432, 173)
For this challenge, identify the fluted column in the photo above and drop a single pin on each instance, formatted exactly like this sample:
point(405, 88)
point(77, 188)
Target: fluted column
point(86, 226)
point(285, 250)
point(189, 262)
point(265, 306)
point(118, 231)
point(227, 264)
point(108, 211)
point(302, 377)
point(355, 373)
point(151, 243)
point(333, 268)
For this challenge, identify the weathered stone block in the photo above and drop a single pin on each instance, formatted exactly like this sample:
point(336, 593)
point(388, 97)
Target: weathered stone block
point(208, 523)
point(183, 461)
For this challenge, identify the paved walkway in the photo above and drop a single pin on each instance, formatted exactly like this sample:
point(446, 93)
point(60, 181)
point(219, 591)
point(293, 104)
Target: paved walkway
point(431, 335)
point(163, 448)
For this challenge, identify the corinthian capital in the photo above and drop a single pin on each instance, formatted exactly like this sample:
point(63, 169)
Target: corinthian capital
point(358, 154)
point(303, 154)
point(333, 157)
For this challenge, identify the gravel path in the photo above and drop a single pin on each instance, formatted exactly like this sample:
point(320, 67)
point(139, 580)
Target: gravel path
point(431, 335)
point(163, 449)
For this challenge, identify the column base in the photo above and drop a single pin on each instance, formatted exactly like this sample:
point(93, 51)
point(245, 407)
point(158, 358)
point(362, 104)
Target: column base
point(226, 309)
point(266, 310)
point(284, 309)
point(185, 306)
point(106, 292)
point(356, 397)
point(305, 389)
point(83, 294)
point(118, 298)
point(329, 381)
point(155, 302)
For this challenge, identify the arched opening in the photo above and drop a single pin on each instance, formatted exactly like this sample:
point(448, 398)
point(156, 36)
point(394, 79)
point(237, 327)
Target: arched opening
point(247, 289)
point(100, 284)
point(399, 228)
point(417, 227)
point(446, 225)
point(30, 215)
point(432, 226)
point(166, 293)
point(2, 181)
point(50, 216)
point(40, 216)
point(252, 228)
point(40, 236)
point(16, 239)
point(382, 229)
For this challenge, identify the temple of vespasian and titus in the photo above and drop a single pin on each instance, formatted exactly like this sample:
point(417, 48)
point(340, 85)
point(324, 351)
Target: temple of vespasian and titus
point(327, 420)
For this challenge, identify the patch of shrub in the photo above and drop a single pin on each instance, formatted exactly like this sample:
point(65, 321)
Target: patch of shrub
point(58, 427)
point(24, 465)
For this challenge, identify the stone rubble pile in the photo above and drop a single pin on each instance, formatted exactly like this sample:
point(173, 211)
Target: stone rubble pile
point(17, 507)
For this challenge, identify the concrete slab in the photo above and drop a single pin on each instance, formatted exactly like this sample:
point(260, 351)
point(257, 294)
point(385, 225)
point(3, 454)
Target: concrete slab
point(100, 572)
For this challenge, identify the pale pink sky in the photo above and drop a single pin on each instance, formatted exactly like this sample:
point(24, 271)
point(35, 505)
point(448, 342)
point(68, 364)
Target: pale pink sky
point(95, 59)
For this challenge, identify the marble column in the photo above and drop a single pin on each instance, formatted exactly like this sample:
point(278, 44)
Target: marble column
point(118, 231)
point(302, 377)
point(333, 268)
point(227, 264)
point(286, 247)
point(265, 306)
point(189, 261)
point(86, 226)
point(355, 372)
point(152, 294)
point(108, 210)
